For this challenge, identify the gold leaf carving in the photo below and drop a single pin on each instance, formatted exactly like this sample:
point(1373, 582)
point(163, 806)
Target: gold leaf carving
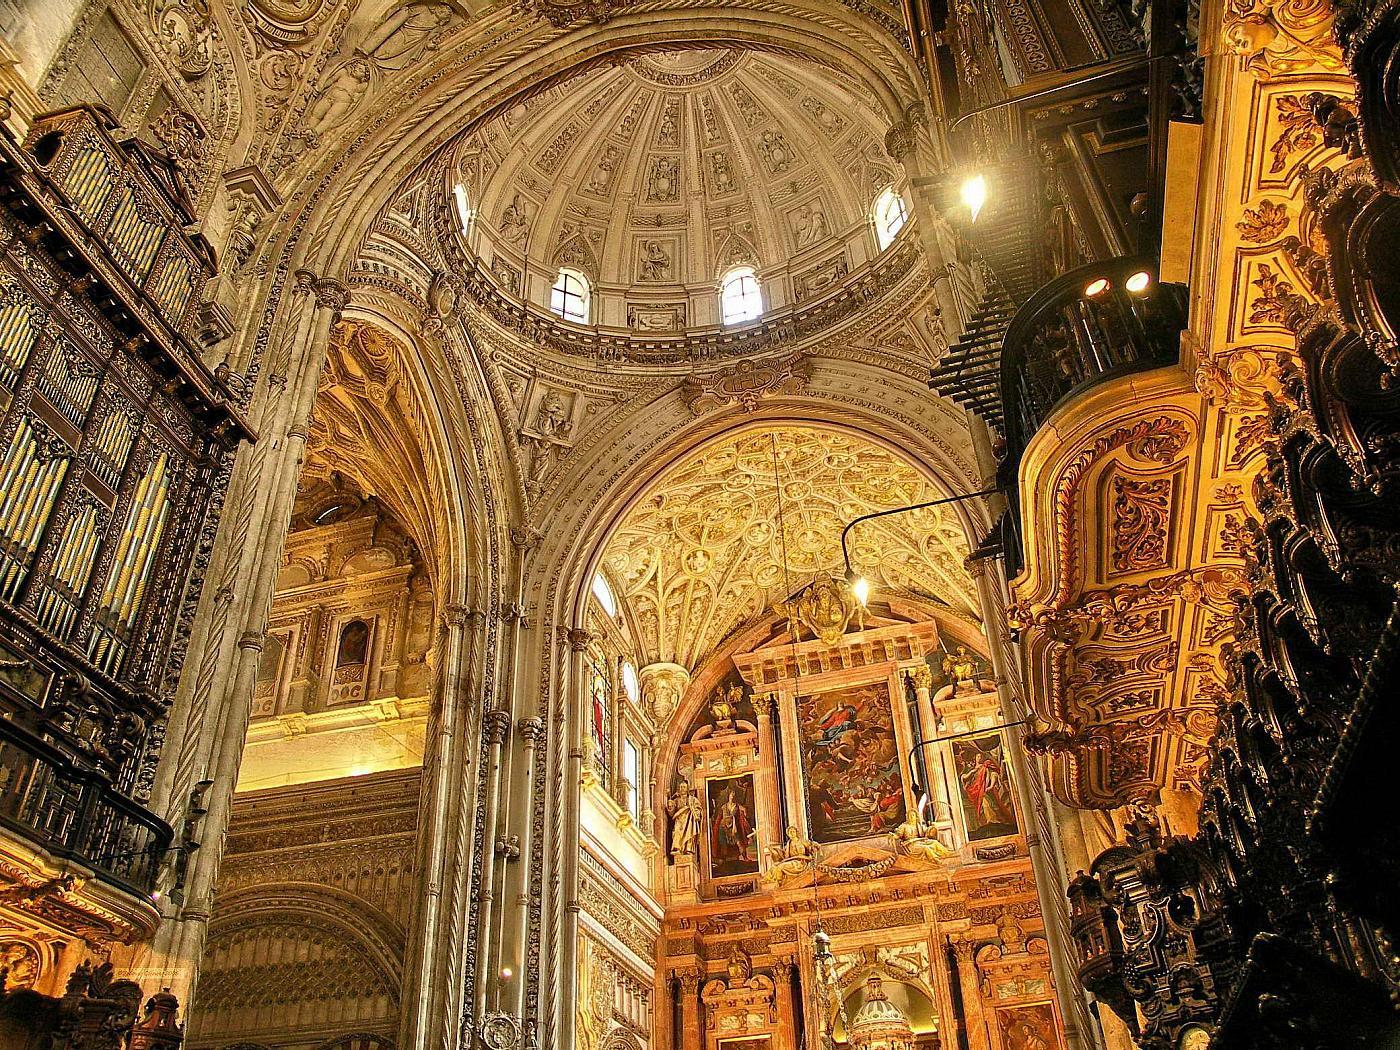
point(1264, 223)
point(1141, 516)
point(1299, 134)
point(1282, 36)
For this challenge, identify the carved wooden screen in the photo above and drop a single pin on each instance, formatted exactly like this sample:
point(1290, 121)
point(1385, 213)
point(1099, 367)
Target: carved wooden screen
point(114, 438)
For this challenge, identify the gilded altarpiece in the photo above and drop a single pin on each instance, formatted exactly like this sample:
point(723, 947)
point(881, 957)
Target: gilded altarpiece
point(940, 906)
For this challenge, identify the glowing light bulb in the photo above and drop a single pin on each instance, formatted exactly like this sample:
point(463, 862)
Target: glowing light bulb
point(1138, 282)
point(507, 973)
point(861, 589)
point(1096, 287)
point(974, 194)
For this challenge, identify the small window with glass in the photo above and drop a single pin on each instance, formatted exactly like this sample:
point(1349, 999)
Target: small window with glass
point(569, 296)
point(890, 216)
point(739, 297)
point(632, 777)
point(603, 592)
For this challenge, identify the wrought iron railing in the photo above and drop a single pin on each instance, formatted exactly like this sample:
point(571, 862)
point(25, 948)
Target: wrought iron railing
point(74, 813)
point(1090, 324)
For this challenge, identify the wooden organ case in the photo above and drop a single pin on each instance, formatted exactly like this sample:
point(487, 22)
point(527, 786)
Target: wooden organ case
point(116, 442)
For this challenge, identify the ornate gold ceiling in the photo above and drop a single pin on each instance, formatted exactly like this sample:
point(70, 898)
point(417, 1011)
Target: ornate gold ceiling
point(656, 175)
point(702, 553)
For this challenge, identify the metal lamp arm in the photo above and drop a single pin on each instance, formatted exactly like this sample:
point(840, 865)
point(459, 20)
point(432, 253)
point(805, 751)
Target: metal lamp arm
point(846, 554)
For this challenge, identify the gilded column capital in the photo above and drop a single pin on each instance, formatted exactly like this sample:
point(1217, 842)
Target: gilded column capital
point(765, 705)
point(964, 948)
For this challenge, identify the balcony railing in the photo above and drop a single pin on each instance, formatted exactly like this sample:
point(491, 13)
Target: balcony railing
point(1093, 323)
point(74, 813)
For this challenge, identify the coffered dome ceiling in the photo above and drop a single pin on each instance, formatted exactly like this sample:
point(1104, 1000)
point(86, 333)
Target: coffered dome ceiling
point(702, 553)
point(656, 175)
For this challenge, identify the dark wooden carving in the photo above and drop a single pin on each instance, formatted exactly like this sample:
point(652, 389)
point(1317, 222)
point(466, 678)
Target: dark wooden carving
point(1289, 887)
point(115, 436)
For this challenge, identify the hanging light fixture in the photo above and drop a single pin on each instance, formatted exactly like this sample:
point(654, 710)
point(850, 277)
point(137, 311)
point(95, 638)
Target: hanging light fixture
point(974, 194)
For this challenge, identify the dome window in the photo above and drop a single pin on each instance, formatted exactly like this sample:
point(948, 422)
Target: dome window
point(569, 296)
point(631, 685)
point(890, 216)
point(739, 297)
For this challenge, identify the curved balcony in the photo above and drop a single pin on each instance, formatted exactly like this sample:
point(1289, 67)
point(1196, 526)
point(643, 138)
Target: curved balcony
point(1093, 323)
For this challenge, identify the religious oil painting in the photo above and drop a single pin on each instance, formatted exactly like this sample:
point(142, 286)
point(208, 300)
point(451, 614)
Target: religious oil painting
point(984, 787)
point(732, 831)
point(851, 758)
point(1030, 1027)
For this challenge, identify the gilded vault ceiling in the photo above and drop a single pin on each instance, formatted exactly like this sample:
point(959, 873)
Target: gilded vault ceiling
point(655, 175)
point(702, 553)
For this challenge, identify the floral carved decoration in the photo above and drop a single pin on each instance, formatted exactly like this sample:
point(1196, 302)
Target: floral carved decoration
point(1300, 132)
point(1140, 523)
point(1264, 223)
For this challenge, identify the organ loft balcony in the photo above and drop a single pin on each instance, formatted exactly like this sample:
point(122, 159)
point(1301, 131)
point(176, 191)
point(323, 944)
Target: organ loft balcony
point(114, 436)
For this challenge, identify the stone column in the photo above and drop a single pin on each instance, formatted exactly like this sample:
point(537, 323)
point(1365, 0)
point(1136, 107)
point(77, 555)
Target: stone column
point(787, 1009)
point(531, 731)
point(209, 720)
point(566, 982)
point(692, 1025)
point(909, 144)
point(769, 806)
point(431, 987)
point(976, 1016)
point(496, 724)
point(1042, 838)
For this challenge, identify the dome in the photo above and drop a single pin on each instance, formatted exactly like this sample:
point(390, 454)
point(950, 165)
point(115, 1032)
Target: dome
point(654, 178)
point(879, 1024)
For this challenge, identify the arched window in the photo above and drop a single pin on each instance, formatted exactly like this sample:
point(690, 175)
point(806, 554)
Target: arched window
point(889, 215)
point(739, 297)
point(464, 207)
point(630, 685)
point(604, 594)
point(569, 296)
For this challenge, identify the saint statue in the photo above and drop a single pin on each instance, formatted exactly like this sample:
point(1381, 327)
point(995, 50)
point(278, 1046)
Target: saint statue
point(961, 669)
point(794, 857)
point(724, 705)
point(515, 220)
point(407, 34)
point(914, 838)
point(686, 811)
point(551, 419)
